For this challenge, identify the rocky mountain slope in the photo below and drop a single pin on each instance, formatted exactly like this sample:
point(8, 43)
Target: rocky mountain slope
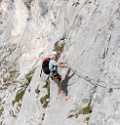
point(86, 34)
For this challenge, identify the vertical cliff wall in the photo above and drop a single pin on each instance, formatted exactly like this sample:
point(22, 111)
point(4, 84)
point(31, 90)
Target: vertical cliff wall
point(87, 36)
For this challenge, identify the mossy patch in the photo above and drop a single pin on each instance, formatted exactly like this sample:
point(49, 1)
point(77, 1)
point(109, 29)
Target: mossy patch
point(29, 75)
point(84, 111)
point(59, 48)
point(20, 94)
point(44, 100)
point(37, 91)
point(18, 97)
point(87, 119)
point(1, 110)
point(0, 100)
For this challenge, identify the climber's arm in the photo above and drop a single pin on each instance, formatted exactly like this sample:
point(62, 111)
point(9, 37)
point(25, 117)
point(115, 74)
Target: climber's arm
point(63, 65)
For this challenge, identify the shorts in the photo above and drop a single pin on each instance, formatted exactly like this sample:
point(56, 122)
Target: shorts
point(56, 79)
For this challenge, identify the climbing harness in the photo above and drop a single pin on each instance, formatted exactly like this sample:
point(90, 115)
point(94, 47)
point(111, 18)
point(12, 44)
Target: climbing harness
point(57, 76)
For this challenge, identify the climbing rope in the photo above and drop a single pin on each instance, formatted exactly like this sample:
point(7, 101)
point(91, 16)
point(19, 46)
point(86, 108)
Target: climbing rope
point(87, 78)
point(71, 83)
point(90, 81)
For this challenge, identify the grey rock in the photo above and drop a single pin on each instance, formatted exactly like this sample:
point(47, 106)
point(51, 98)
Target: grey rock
point(90, 31)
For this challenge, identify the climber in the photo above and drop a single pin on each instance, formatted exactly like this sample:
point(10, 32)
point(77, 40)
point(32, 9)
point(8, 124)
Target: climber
point(55, 76)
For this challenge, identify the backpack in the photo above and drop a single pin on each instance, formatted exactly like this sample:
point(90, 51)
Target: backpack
point(45, 65)
point(45, 68)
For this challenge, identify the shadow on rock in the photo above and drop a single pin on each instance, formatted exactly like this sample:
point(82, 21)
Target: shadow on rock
point(65, 81)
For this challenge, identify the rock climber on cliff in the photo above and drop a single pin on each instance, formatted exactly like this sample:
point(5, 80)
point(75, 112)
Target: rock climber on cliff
point(53, 65)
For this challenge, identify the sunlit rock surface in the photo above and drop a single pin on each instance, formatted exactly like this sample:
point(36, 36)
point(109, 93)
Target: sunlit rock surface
point(88, 33)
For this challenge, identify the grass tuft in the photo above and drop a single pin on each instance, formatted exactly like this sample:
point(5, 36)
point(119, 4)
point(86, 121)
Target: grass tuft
point(84, 111)
point(44, 99)
point(18, 97)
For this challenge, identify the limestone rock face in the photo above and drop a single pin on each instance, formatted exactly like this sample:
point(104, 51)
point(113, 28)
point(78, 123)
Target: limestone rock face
point(86, 34)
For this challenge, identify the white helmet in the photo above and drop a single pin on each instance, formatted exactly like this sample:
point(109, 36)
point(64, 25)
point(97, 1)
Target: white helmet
point(53, 53)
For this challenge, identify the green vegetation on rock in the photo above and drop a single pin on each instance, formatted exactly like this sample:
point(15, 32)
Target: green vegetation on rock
point(59, 48)
point(37, 91)
point(29, 75)
point(18, 97)
point(20, 94)
point(84, 111)
point(44, 100)
point(1, 110)
point(87, 119)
